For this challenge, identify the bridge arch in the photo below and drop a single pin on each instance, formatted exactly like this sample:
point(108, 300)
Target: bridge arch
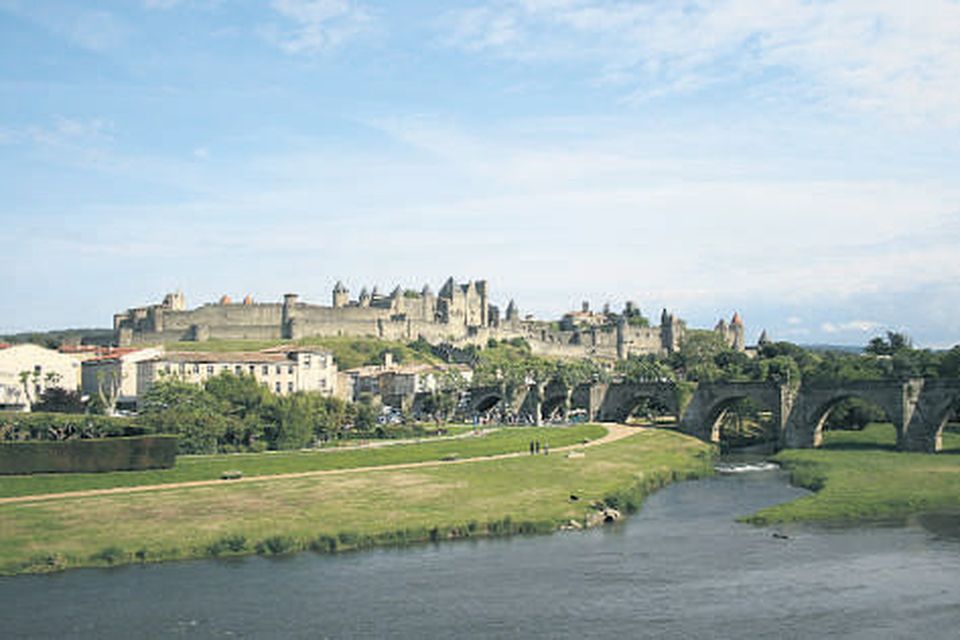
point(816, 402)
point(939, 400)
point(711, 400)
point(821, 414)
point(483, 399)
point(622, 399)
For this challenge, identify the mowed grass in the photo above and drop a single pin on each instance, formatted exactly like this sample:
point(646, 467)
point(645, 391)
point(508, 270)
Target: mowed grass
point(858, 476)
point(338, 512)
point(192, 468)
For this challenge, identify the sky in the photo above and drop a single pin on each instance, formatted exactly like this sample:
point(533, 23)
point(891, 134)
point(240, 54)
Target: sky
point(793, 160)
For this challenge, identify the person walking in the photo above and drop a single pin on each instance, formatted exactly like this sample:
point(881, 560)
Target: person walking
point(531, 447)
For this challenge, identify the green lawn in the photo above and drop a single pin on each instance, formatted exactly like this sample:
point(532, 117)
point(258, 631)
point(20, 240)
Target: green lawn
point(327, 513)
point(858, 476)
point(191, 468)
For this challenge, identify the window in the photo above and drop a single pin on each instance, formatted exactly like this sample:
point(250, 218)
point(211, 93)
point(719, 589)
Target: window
point(210, 369)
point(265, 370)
point(290, 387)
point(253, 369)
point(278, 369)
point(196, 368)
point(277, 387)
point(36, 370)
point(290, 369)
point(306, 361)
point(238, 369)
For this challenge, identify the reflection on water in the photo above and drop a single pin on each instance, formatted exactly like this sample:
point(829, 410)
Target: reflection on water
point(683, 568)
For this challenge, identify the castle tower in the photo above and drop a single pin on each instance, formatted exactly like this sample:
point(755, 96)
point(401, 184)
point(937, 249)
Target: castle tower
point(737, 333)
point(513, 314)
point(484, 303)
point(364, 298)
point(174, 301)
point(671, 331)
point(288, 316)
point(341, 296)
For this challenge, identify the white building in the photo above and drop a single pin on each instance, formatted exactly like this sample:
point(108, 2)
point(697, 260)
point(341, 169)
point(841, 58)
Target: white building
point(33, 369)
point(114, 375)
point(282, 371)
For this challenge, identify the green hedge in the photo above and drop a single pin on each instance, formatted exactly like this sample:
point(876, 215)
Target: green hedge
point(109, 454)
point(63, 426)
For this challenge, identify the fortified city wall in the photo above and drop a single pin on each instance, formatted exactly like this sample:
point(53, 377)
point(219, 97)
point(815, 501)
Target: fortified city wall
point(460, 314)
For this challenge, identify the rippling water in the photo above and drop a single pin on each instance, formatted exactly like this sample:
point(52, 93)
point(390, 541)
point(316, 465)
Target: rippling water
point(680, 569)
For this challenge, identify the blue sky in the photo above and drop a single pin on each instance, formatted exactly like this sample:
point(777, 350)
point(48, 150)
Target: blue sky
point(795, 160)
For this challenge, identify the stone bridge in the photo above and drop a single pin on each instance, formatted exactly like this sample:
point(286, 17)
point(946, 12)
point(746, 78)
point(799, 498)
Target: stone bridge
point(918, 408)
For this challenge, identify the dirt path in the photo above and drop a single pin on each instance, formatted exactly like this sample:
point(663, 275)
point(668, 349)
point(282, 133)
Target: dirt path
point(614, 432)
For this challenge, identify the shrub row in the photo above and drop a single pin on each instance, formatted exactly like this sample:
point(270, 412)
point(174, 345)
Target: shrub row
point(66, 426)
point(95, 455)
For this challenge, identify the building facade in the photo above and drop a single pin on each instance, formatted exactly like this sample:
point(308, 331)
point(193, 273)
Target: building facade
point(282, 371)
point(32, 369)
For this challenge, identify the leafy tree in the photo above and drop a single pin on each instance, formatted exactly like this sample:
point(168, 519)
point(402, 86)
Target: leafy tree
point(646, 368)
point(893, 343)
point(175, 406)
point(60, 400)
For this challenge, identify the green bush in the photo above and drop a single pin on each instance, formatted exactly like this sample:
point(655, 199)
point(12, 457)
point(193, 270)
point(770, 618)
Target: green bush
point(108, 454)
point(62, 426)
point(234, 543)
point(276, 545)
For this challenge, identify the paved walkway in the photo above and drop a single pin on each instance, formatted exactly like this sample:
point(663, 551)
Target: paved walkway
point(614, 432)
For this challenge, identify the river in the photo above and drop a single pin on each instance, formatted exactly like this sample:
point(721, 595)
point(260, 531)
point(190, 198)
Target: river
point(682, 568)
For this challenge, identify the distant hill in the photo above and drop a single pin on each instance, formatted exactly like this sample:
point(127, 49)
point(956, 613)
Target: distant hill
point(53, 339)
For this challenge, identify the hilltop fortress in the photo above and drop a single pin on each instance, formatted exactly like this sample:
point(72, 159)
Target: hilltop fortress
point(459, 314)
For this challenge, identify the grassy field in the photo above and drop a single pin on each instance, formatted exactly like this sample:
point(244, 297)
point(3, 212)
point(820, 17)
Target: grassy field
point(339, 512)
point(190, 468)
point(349, 352)
point(858, 476)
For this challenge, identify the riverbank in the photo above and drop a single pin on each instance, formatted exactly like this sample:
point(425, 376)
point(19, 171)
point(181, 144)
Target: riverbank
point(858, 477)
point(341, 511)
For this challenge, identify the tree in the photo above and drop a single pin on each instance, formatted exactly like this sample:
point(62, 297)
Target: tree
point(894, 343)
point(175, 406)
point(59, 400)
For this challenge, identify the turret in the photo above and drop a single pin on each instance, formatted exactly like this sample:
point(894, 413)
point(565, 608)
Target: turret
point(341, 296)
point(513, 314)
point(364, 297)
point(288, 315)
point(737, 333)
point(446, 291)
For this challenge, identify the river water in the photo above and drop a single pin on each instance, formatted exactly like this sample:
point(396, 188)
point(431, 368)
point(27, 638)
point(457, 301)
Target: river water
point(682, 568)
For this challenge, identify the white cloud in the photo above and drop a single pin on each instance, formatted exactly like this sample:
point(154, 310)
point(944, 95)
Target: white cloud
point(794, 321)
point(70, 131)
point(318, 25)
point(863, 326)
point(201, 153)
point(900, 59)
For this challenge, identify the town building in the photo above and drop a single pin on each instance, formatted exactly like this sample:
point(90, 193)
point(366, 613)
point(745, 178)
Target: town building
point(112, 374)
point(31, 369)
point(283, 370)
point(396, 385)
